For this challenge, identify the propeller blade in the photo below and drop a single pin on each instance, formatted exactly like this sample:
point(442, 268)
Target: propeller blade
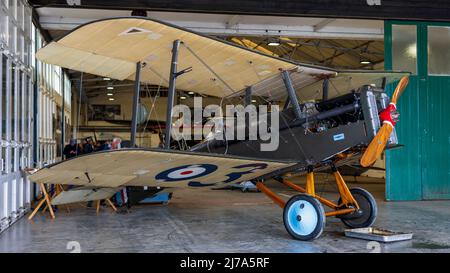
point(376, 147)
point(399, 89)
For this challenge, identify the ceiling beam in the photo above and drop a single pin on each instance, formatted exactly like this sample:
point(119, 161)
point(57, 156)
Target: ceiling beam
point(357, 56)
point(351, 51)
point(342, 53)
point(300, 55)
point(250, 44)
point(233, 21)
point(230, 28)
point(337, 47)
point(322, 24)
point(389, 9)
point(104, 86)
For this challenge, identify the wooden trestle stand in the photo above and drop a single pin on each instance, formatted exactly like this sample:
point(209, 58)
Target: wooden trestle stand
point(46, 199)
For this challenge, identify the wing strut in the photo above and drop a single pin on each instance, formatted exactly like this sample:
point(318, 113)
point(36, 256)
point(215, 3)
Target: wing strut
point(248, 95)
point(171, 95)
point(291, 92)
point(137, 90)
point(325, 89)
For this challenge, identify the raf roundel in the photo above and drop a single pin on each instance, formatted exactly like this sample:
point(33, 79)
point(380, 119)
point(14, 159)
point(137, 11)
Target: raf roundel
point(186, 172)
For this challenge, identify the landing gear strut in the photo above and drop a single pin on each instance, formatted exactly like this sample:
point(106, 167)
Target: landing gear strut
point(366, 215)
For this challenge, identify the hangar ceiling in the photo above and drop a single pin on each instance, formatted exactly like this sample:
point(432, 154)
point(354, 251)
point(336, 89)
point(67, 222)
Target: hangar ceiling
point(336, 53)
point(437, 10)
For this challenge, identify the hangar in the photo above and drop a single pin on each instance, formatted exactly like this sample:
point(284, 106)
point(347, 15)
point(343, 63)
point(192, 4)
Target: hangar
point(55, 88)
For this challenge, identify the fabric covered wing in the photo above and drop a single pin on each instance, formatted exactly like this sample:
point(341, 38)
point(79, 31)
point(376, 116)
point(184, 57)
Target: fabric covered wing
point(112, 47)
point(151, 167)
point(83, 195)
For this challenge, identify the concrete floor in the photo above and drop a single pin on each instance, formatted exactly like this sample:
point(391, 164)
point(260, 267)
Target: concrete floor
point(224, 221)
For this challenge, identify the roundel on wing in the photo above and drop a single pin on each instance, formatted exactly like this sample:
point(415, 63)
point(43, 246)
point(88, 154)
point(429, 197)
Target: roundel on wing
point(186, 172)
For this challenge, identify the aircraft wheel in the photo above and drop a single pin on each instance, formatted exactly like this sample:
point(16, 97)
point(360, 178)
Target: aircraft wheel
point(304, 217)
point(367, 213)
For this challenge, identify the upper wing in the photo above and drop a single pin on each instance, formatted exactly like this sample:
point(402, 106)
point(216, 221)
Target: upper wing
point(151, 167)
point(310, 88)
point(112, 47)
point(347, 81)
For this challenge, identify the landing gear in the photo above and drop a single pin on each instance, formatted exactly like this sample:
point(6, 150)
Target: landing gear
point(304, 217)
point(366, 215)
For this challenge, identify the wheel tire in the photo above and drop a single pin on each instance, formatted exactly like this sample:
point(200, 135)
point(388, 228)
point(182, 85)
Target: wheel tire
point(304, 217)
point(368, 210)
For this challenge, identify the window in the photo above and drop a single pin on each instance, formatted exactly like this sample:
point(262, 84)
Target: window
point(3, 86)
point(12, 32)
point(27, 109)
point(48, 76)
point(3, 26)
point(12, 102)
point(404, 48)
point(12, 7)
point(33, 49)
point(27, 24)
point(67, 90)
point(20, 14)
point(105, 112)
point(12, 115)
point(4, 3)
point(4, 91)
point(19, 47)
point(56, 79)
point(19, 109)
point(438, 50)
point(26, 52)
point(15, 116)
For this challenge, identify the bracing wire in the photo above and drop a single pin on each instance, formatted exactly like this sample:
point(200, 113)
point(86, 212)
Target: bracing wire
point(153, 106)
point(209, 68)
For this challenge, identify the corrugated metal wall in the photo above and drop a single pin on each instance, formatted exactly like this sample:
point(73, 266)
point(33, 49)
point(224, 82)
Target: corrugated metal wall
point(436, 139)
point(403, 165)
point(420, 170)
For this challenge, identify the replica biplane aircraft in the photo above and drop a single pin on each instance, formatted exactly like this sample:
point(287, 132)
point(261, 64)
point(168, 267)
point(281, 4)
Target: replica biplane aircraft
point(329, 118)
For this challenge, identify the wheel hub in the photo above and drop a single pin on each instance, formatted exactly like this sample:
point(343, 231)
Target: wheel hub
point(304, 217)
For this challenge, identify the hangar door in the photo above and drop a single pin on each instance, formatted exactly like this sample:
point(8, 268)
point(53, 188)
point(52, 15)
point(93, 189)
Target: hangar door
point(420, 170)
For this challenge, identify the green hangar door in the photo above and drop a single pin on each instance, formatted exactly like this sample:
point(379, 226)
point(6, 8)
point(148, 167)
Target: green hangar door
point(420, 170)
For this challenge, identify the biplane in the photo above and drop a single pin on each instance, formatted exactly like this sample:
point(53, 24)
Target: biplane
point(329, 118)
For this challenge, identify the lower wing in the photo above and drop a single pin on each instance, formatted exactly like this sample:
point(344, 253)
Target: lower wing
point(153, 167)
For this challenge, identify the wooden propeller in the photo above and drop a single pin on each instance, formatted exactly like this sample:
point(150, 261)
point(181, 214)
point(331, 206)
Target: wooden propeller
point(376, 147)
